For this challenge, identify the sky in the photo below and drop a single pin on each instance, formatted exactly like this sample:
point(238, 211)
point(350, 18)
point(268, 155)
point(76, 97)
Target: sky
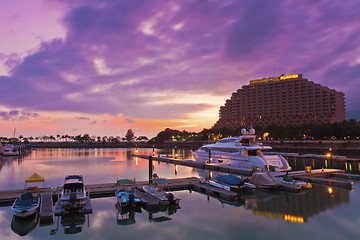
point(102, 67)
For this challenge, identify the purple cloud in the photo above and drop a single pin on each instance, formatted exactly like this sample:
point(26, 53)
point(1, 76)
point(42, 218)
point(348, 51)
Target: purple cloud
point(17, 115)
point(128, 57)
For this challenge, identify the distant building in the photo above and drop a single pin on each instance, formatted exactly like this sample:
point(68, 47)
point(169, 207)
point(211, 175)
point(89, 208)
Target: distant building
point(283, 100)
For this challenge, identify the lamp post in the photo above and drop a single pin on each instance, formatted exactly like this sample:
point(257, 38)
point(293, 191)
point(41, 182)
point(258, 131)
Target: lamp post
point(329, 155)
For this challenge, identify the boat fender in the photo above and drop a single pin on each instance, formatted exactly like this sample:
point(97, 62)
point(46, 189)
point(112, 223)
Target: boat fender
point(170, 197)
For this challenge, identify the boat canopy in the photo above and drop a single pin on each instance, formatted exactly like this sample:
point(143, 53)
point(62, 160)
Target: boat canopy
point(74, 177)
point(35, 178)
point(125, 181)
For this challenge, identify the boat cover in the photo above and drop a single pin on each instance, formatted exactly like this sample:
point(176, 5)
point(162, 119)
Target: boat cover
point(125, 181)
point(230, 179)
point(160, 180)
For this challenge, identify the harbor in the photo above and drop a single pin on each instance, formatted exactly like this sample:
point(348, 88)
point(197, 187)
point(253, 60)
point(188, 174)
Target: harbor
point(185, 179)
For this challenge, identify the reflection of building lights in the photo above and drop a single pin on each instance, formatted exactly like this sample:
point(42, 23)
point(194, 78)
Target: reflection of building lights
point(136, 161)
point(286, 217)
point(290, 218)
point(210, 174)
point(330, 190)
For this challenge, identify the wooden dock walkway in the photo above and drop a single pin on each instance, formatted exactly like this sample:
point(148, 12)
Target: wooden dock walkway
point(46, 208)
point(194, 164)
point(215, 191)
point(324, 177)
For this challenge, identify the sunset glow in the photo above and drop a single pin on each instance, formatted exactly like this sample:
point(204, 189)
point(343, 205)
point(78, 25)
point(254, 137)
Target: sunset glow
point(102, 67)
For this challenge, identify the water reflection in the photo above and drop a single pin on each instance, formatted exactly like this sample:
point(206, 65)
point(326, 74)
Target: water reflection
point(126, 215)
point(22, 226)
point(72, 223)
point(265, 209)
point(161, 213)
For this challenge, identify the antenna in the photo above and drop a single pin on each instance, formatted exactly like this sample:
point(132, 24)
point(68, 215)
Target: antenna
point(274, 70)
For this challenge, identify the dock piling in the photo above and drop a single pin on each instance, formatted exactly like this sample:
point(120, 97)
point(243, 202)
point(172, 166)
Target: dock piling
point(150, 168)
point(209, 155)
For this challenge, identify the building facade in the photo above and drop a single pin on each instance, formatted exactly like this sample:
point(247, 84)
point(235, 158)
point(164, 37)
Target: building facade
point(283, 100)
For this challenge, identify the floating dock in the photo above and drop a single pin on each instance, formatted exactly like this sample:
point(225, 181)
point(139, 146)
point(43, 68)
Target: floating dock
point(324, 177)
point(331, 177)
point(46, 209)
point(215, 191)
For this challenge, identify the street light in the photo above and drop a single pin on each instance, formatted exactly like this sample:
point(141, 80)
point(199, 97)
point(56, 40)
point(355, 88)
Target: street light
point(329, 155)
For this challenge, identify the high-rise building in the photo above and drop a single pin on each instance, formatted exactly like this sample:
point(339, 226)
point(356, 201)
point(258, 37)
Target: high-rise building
point(283, 100)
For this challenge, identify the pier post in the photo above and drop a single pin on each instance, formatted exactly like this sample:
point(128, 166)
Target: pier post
point(209, 155)
point(175, 153)
point(150, 168)
point(153, 150)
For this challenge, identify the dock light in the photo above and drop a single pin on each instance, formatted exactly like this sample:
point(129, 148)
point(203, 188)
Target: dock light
point(330, 190)
point(136, 151)
point(329, 155)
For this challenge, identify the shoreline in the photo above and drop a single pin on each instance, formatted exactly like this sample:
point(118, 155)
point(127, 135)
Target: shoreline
point(300, 145)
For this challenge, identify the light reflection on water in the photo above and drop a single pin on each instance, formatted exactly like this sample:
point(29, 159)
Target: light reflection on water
point(319, 213)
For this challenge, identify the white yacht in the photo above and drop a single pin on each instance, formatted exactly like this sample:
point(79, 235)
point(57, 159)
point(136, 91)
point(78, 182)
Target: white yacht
point(242, 151)
point(10, 150)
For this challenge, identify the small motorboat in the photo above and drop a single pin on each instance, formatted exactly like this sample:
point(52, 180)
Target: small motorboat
point(73, 195)
point(287, 181)
point(235, 183)
point(26, 205)
point(164, 197)
point(264, 180)
point(127, 198)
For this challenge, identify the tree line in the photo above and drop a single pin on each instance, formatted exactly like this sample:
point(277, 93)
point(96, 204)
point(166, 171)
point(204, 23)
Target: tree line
point(348, 129)
point(129, 136)
point(345, 130)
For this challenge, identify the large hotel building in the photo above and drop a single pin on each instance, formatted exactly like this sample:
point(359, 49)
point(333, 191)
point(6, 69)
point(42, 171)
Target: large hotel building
point(283, 100)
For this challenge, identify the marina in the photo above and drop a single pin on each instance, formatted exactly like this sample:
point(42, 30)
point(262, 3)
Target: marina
point(184, 181)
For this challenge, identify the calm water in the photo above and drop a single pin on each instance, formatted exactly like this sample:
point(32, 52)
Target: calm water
point(315, 214)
